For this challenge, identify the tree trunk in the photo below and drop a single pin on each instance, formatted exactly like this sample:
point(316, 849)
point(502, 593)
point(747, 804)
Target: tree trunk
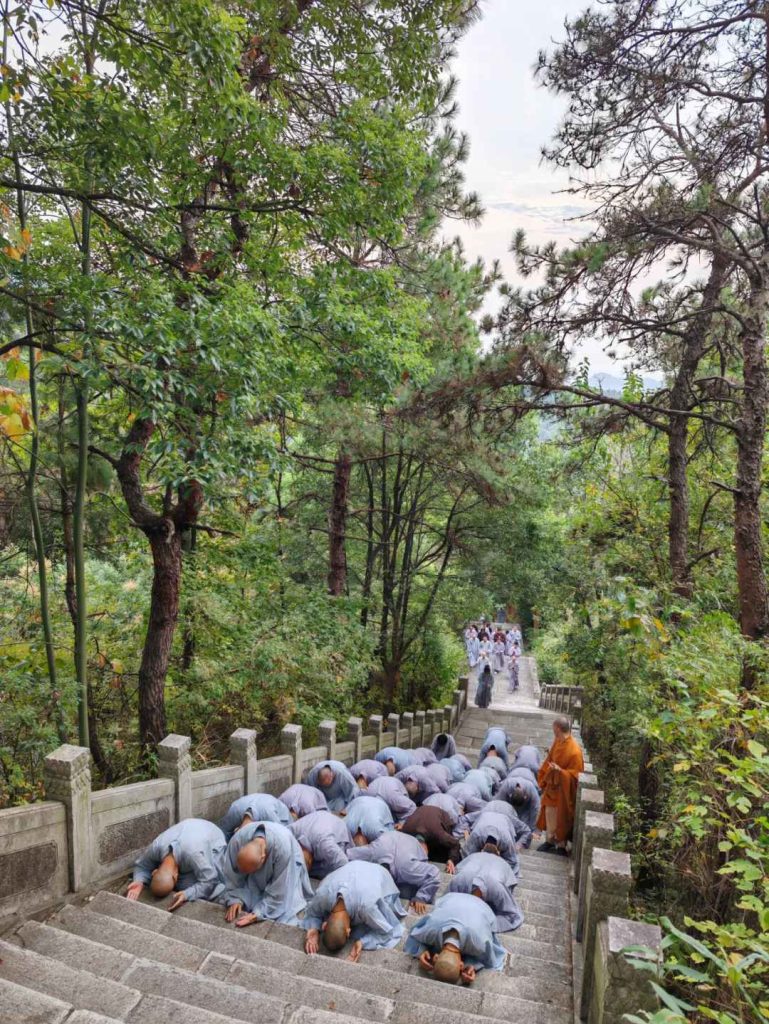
point(371, 550)
point(166, 544)
point(748, 542)
point(189, 644)
point(337, 526)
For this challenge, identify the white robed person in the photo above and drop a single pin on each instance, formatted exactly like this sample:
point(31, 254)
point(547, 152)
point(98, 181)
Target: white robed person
point(187, 857)
point(457, 939)
point(491, 879)
point(253, 807)
point(265, 875)
point(405, 857)
point(325, 841)
point(359, 901)
point(335, 782)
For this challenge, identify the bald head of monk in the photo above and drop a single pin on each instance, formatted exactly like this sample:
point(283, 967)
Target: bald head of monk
point(517, 797)
point(164, 877)
point(336, 927)
point(390, 766)
point(491, 846)
point(447, 965)
point(325, 777)
point(359, 839)
point(412, 787)
point(361, 780)
point(561, 726)
point(252, 856)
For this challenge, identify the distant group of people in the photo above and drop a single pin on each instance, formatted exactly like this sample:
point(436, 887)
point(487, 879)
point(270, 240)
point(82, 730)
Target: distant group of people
point(492, 650)
point(369, 833)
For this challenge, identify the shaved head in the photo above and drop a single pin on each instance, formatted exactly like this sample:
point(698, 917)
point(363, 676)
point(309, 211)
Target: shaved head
point(325, 777)
point(562, 723)
point(252, 856)
point(337, 930)
point(362, 784)
point(517, 797)
point(390, 766)
point(164, 877)
point(447, 965)
point(359, 839)
point(412, 787)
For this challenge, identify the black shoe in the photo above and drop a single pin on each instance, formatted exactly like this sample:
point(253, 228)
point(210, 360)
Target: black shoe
point(560, 851)
point(545, 848)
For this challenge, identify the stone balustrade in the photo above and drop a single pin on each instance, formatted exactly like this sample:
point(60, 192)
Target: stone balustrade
point(79, 838)
point(566, 700)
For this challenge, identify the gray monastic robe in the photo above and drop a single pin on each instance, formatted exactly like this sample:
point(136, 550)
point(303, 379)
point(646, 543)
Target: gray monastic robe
point(455, 766)
point(498, 738)
point(496, 881)
point(424, 756)
point(370, 815)
point(370, 898)
point(279, 890)
point(451, 806)
point(301, 800)
point(481, 780)
point(528, 756)
point(198, 847)
point(468, 796)
point(523, 771)
point(496, 765)
point(403, 856)
point(326, 837)
point(497, 827)
point(528, 810)
point(444, 745)
point(394, 794)
point(343, 788)
point(521, 830)
point(400, 758)
point(475, 924)
point(426, 783)
point(369, 769)
point(259, 807)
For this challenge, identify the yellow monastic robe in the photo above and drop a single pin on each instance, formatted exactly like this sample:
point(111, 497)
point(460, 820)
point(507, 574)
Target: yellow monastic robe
point(559, 789)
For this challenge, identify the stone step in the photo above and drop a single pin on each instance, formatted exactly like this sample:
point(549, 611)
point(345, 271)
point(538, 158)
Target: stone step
point(397, 976)
point(21, 1005)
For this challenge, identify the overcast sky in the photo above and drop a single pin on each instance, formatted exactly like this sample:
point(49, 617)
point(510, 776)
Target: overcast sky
point(508, 118)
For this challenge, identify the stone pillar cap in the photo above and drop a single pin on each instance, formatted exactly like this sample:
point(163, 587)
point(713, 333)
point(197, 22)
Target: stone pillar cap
point(623, 933)
point(599, 820)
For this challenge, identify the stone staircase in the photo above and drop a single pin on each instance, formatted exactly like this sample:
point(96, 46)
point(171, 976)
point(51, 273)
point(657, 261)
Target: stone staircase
point(104, 958)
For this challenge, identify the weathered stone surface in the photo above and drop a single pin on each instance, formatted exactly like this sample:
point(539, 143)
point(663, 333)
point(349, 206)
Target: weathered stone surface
point(22, 1004)
point(29, 869)
point(159, 1010)
point(327, 737)
point(67, 775)
point(175, 763)
point(133, 834)
point(607, 890)
point(214, 807)
point(407, 723)
point(419, 728)
point(355, 735)
point(618, 987)
point(291, 744)
point(243, 754)
point(588, 799)
point(74, 950)
point(597, 831)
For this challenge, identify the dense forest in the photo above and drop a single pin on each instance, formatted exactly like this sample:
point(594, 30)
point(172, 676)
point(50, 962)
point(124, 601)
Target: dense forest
point(263, 453)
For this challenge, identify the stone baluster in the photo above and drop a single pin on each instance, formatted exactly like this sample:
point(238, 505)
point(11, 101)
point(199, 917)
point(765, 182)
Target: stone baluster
point(607, 890)
point(419, 728)
point(407, 721)
point(618, 987)
point(67, 777)
point(587, 800)
point(376, 725)
point(597, 832)
point(464, 686)
point(393, 725)
point(291, 744)
point(448, 718)
point(355, 735)
point(175, 762)
point(430, 717)
point(327, 737)
point(458, 699)
point(243, 753)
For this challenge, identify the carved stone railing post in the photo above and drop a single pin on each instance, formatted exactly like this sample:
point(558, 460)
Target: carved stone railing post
point(67, 776)
point(375, 724)
point(448, 718)
point(458, 698)
point(597, 832)
point(618, 987)
point(587, 800)
point(243, 752)
point(407, 722)
point(430, 732)
point(393, 726)
point(291, 744)
point(607, 890)
point(355, 735)
point(585, 780)
point(464, 686)
point(175, 762)
point(327, 737)
point(419, 728)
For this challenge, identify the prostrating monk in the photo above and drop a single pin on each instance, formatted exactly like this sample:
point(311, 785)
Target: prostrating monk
point(358, 901)
point(444, 745)
point(468, 796)
point(523, 795)
point(493, 833)
point(394, 794)
point(494, 764)
point(364, 772)
point(367, 818)
point(529, 756)
point(334, 781)
point(324, 839)
point(455, 811)
point(455, 767)
point(395, 759)
point(434, 825)
point(424, 756)
point(265, 875)
point(483, 779)
point(521, 830)
point(522, 771)
point(440, 774)
point(457, 939)
point(420, 783)
point(495, 742)
point(405, 857)
point(253, 807)
point(301, 800)
point(558, 782)
point(492, 880)
point(187, 857)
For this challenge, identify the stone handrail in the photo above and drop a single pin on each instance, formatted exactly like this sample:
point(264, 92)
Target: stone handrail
point(566, 700)
point(78, 838)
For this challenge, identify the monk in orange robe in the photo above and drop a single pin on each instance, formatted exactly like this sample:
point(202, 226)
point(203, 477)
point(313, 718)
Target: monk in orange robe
point(558, 781)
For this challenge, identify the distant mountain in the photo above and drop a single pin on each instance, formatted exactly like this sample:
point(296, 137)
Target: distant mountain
point(612, 384)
